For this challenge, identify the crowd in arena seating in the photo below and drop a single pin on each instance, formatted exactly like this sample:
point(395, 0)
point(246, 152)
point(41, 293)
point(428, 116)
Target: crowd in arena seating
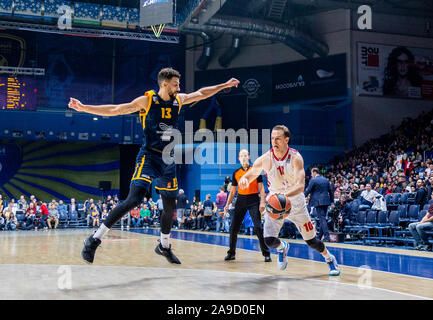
point(400, 162)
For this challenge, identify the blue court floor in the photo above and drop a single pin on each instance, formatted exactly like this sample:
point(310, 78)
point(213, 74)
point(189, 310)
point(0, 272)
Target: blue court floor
point(380, 261)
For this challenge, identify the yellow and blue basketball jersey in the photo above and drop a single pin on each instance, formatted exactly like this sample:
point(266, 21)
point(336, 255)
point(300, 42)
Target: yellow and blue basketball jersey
point(159, 120)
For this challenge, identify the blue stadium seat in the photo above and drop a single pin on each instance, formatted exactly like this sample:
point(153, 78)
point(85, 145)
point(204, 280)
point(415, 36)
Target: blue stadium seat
point(421, 214)
point(355, 206)
point(402, 210)
point(403, 199)
point(395, 199)
point(371, 217)
point(413, 213)
point(411, 198)
point(426, 206)
point(430, 201)
point(382, 218)
point(394, 220)
point(20, 216)
point(388, 198)
point(63, 219)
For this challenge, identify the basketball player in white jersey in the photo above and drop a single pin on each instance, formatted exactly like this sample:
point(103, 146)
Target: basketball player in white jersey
point(284, 168)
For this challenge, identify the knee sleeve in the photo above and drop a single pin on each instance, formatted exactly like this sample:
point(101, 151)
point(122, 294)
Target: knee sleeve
point(169, 205)
point(316, 244)
point(272, 242)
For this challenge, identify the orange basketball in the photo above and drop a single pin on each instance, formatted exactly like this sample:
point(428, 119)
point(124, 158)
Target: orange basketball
point(278, 206)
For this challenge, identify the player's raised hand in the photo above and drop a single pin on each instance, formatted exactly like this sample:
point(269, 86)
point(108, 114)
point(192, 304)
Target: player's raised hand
point(232, 83)
point(243, 183)
point(75, 104)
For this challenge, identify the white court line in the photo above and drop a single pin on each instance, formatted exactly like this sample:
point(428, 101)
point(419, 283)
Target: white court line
point(233, 272)
point(303, 259)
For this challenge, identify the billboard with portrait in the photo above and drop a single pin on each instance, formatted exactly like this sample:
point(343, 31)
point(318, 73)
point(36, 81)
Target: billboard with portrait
point(395, 71)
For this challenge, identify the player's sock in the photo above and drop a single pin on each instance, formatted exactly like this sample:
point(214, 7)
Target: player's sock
point(280, 247)
point(165, 240)
point(327, 256)
point(102, 230)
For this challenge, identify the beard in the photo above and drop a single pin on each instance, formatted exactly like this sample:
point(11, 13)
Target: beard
point(172, 95)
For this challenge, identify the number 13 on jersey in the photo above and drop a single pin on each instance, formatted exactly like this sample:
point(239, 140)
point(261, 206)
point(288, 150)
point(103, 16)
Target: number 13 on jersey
point(166, 113)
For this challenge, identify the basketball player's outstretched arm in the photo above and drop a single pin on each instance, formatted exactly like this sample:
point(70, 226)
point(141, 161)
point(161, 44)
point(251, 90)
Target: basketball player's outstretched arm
point(299, 175)
point(253, 173)
point(140, 103)
point(206, 92)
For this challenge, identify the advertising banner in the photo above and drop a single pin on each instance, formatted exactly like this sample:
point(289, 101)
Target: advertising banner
point(395, 71)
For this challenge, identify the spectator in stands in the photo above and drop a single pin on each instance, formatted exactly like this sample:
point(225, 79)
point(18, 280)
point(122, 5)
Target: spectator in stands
point(147, 219)
point(356, 192)
point(429, 187)
point(22, 204)
point(321, 197)
point(192, 217)
point(181, 203)
point(2, 221)
point(368, 197)
point(72, 207)
point(208, 213)
point(11, 221)
point(62, 208)
point(421, 194)
point(53, 215)
point(87, 205)
point(188, 219)
point(160, 205)
point(221, 200)
point(30, 216)
point(155, 215)
point(418, 229)
point(228, 216)
point(94, 214)
point(126, 219)
point(199, 217)
point(14, 205)
point(136, 221)
point(44, 214)
point(428, 172)
point(2, 204)
point(104, 214)
point(151, 203)
point(195, 201)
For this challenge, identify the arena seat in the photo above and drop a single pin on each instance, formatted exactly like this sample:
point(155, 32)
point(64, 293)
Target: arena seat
point(388, 198)
point(421, 214)
point(63, 219)
point(413, 213)
point(402, 209)
point(404, 198)
point(426, 206)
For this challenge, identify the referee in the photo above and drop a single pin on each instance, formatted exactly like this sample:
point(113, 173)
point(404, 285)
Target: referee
point(248, 199)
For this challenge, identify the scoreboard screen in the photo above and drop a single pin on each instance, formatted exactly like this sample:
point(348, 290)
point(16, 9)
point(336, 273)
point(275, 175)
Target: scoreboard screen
point(155, 12)
point(17, 93)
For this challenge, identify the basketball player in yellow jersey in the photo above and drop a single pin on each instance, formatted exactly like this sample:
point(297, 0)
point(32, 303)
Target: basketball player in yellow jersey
point(284, 168)
point(158, 113)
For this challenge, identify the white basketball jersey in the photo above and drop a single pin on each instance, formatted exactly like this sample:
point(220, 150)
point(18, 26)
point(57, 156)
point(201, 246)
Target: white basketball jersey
point(281, 175)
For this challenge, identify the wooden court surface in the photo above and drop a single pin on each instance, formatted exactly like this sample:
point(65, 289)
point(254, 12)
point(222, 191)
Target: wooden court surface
point(48, 264)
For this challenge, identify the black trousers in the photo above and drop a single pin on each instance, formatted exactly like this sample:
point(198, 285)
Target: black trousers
point(238, 216)
point(321, 215)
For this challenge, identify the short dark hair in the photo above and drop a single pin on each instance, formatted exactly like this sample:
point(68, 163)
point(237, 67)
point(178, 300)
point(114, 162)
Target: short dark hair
point(316, 170)
point(167, 74)
point(283, 128)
